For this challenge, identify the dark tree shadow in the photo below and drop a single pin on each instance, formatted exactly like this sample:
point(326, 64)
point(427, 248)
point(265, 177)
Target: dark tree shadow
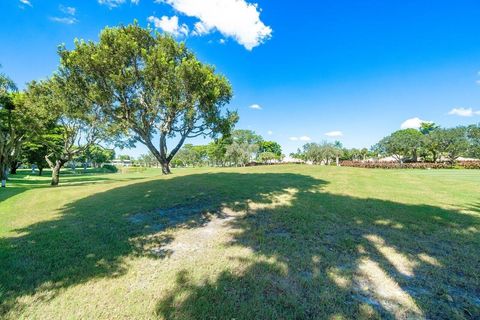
point(321, 244)
point(22, 181)
point(92, 236)
point(345, 257)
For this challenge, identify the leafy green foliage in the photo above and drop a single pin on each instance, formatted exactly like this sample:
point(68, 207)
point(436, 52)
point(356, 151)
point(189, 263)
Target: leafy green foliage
point(240, 153)
point(267, 157)
point(402, 144)
point(146, 84)
point(97, 155)
point(19, 121)
point(77, 122)
point(320, 153)
point(110, 168)
point(473, 135)
point(453, 142)
point(428, 127)
point(271, 146)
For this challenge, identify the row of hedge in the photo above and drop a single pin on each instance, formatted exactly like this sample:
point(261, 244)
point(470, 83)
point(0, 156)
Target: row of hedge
point(414, 165)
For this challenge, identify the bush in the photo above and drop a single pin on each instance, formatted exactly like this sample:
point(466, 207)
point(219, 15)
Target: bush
point(412, 165)
point(470, 164)
point(110, 168)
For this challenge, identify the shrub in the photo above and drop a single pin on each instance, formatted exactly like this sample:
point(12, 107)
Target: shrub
point(412, 165)
point(470, 164)
point(110, 168)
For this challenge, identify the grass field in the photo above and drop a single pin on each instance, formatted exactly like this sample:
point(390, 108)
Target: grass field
point(273, 242)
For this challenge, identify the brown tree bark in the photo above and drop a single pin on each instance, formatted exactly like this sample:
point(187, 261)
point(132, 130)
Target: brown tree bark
point(14, 166)
point(166, 167)
point(3, 174)
point(55, 169)
point(56, 172)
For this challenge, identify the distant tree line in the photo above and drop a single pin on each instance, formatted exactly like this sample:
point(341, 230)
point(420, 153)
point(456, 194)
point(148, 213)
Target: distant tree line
point(431, 143)
point(237, 149)
point(428, 144)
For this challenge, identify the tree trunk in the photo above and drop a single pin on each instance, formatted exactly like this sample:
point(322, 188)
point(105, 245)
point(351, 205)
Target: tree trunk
point(14, 167)
point(40, 170)
point(56, 172)
point(3, 174)
point(166, 167)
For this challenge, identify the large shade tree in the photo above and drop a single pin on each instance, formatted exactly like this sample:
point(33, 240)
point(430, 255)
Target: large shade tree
point(453, 142)
point(401, 144)
point(473, 135)
point(272, 147)
point(151, 87)
point(78, 123)
point(7, 88)
point(18, 122)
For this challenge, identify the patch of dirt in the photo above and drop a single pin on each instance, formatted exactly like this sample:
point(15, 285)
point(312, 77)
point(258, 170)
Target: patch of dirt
point(197, 240)
point(182, 231)
point(181, 215)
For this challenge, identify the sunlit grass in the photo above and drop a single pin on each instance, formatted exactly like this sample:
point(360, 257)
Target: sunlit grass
point(262, 242)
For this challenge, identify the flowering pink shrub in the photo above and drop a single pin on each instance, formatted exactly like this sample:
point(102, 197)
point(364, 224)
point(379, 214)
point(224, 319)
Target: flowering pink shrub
point(414, 165)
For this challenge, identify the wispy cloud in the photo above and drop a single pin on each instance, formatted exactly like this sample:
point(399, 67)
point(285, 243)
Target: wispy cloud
point(26, 2)
point(412, 123)
point(115, 3)
point(302, 138)
point(68, 10)
point(334, 134)
point(236, 19)
point(464, 112)
point(64, 20)
point(169, 25)
point(255, 107)
point(69, 17)
point(269, 132)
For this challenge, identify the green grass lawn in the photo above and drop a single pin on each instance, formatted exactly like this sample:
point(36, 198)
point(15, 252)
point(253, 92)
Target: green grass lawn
point(271, 242)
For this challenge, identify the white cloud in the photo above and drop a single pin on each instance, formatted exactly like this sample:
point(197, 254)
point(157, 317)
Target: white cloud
point(302, 138)
point(464, 112)
point(26, 2)
point(413, 123)
point(68, 10)
point(169, 25)
point(201, 29)
point(255, 107)
point(115, 3)
point(237, 19)
point(270, 132)
point(64, 20)
point(69, 18)
point(334, 134)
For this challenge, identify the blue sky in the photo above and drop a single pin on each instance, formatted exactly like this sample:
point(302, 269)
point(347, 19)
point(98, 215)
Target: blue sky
point(359, 68)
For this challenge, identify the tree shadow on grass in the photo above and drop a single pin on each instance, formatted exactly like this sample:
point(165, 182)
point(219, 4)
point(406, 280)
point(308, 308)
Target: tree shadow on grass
point(92, 236)
point(23, 181)
point(342, 257)
point(333, 255)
